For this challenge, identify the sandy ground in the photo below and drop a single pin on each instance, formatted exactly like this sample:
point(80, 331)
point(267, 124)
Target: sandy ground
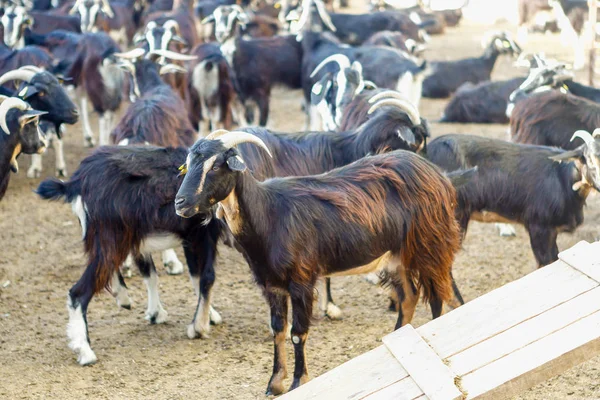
point(41, 256)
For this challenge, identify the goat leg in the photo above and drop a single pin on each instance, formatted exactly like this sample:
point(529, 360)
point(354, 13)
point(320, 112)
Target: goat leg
point(61, 165)
point(155, 313)
point(543, 243)
point(119, 291)
point(279, 309)
point(35, 170)
point(302, 302)
point(406, 292)
point(88, 139)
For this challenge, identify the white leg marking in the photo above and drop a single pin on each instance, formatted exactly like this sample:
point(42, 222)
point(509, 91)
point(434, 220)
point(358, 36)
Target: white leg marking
point(200, 327)
point(333, 311)
point(79, 208)
point(171, 262)
point(103, 138)
point(61, 165)
point(77, 334)
point(88, 138)
point(35, 170)
point(126, 267)
point(120, 292)
point(506, 229)
point(155, 313)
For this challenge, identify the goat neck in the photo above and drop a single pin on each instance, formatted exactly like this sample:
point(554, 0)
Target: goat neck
point(147, 76)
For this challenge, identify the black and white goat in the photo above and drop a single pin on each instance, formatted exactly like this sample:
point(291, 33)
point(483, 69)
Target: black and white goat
point(123, 197)
point(180, 20)
point(548, 196)
point(20, 133)
point(373, 203)
point(115, 19)
point(447, 76)
point(43, 92)
point(258, 64)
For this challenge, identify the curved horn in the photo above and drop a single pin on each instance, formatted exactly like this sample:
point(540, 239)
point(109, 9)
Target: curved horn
point(107, 9)
point(324, 15)
point(73, 9)
point(404, 105)
point(172, 24)
point(6, 106)
point(216, 134)
point(172, 55)
point(131, 54)
point(17, 74)
point(234, 138)
point(33, 68)
point(151, 25)
point(387, 94)
point(306, 4)
point(581, 134)
point(139, 38)
point(596, 133)
point(340, 59)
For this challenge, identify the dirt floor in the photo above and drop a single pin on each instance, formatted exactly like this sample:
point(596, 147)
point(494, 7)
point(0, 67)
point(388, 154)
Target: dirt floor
point(41, 257)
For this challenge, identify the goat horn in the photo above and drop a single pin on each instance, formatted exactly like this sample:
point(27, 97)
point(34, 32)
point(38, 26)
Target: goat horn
point(596, 133)
point(107, 8)
point(403, 105)
point(306, 4)
point(17, 74)
point(171, 24)
point(324, 15)
point(73, 10)
point(151, 25)
point(139, 38)
point(33, 68)
point(583, 135)
point(340, 59)
point(216, 134)
point(131, 54)
point(387, 94)
point(172, 55)
point(6, 106)
point(234, 138)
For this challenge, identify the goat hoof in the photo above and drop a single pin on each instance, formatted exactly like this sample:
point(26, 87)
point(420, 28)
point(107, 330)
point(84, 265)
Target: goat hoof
point(333, 312)
point(86, 357)
point(274, 389)
point(194, 333)
point(215, 317)
point(33, 173)
point(89, 142)
point(125, 306)
point(61, 173)
point(174, 267)
point(157, 317)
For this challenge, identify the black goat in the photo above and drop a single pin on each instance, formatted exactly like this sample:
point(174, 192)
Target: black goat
point(447, 76)
point(19, 134)
point(258, 64)
point(137, 187)
point(483, 103)
point(373, 204)
point(547, 198)
point(43, 92)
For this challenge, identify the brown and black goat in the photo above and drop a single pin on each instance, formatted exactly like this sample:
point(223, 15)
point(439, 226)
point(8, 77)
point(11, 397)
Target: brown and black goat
point(547, 197)
point(211, 89)
point(356, 218)
point(20, 133)
point(183, 16)
point(258, 64)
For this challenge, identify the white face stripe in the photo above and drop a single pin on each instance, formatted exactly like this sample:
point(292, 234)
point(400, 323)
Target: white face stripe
point(166, 38)
point(150, 39)
point(208, 164)
point(12, 26)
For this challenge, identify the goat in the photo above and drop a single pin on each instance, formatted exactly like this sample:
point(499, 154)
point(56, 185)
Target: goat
point(11, 59)
point(115, 19)
point(355, 29)
point(310, 216)
point(484, 102)
point(396, 40)
point(155, 116)
point(183, 15)
point(123, 197)
point(548, 196)
point(258, 64)
point(16, 19)
point(43, 92)
point(447, 76)
point(20, 134)
point(98, 79)
point(211, 89)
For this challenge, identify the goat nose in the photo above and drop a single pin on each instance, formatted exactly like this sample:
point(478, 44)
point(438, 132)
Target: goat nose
point(179, 201)
point(75, 112)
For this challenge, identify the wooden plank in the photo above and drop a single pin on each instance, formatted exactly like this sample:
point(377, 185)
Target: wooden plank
point(584, 257)
point(406, 389)
point(354, 379)
point(418, 359)
point(525, 333)
point(537, 362)
point(504, 308)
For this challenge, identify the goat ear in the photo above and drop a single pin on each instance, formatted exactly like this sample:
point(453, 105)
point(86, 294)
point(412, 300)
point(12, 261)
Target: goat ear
point(27, 92)
point(569, 155)
point(30, 116)
point(210, 18)
point(235, 163)
point(462, 176)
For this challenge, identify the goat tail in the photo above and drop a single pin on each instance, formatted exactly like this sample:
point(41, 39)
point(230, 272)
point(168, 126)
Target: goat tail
point(432, 240)
point(52, 189)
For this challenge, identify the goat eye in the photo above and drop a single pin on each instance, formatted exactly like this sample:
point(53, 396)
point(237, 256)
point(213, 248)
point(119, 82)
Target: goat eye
point(41, 93)
point(215, 168)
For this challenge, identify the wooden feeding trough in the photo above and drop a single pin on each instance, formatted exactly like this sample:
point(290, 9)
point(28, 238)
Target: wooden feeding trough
point(495, 346)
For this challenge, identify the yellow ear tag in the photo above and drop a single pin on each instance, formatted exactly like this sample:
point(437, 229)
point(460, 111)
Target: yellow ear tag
point(23, 92)
point(277, 5)
point(183, 170)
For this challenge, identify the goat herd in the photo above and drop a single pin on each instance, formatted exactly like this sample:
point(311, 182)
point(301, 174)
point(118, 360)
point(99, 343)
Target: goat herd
point(360, 190)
